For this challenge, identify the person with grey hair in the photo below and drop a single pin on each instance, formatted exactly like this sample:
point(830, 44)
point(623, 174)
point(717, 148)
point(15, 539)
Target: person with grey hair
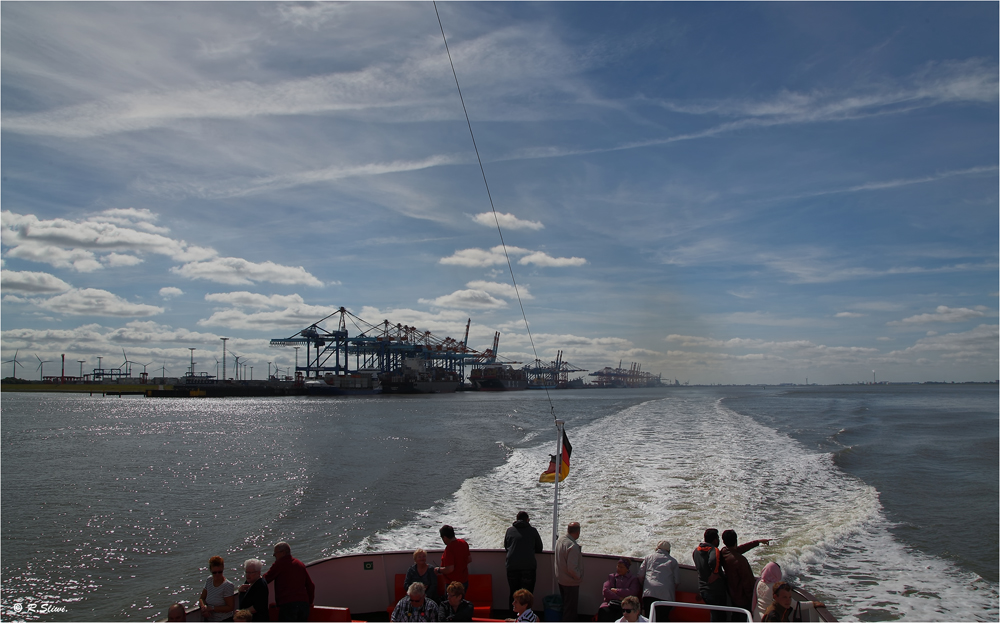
point(661, 576)
point(414, 606)
point(253, 594)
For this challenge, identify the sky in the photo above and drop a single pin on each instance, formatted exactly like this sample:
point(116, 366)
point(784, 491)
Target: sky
point(718, 192)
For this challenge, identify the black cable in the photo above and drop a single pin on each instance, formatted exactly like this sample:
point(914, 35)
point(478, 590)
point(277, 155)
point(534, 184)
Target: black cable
point(510, 267)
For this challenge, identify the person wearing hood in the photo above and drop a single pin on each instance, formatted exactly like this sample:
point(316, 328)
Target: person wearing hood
point(522, 542)
point(769, 576)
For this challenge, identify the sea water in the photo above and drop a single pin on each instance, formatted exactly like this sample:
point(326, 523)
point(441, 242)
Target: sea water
point(881, 500)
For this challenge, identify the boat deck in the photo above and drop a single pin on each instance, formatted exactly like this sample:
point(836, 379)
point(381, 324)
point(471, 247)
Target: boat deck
point(366, 584)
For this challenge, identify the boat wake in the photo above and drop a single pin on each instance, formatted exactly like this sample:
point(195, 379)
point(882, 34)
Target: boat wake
point(669, 468)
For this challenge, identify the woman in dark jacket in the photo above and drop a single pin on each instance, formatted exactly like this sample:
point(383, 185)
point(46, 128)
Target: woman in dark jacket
point(421, 572)
point(253, 594)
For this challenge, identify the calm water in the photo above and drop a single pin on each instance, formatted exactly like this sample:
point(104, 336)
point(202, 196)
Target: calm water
point(881, 500)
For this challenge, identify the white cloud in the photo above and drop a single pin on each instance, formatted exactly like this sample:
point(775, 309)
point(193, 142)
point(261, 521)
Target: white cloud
point(507, 221)
point(943, 313)
point(443, 323)
point(505, 290)
point(93, 302)
point(544, 259)
point(31, 282)
point(118, 259)
point(102, 233)
point(64, 243)
point(259, 301)
point(466, 299)
point(170, 292)
point(976, 345)
point(251, 186)
point(848, 315)
point(743, 293)
point(481, 257)
point(298, 316)
point(936, 83)
point(495, 256)
point(238, 271)
point(768, 319)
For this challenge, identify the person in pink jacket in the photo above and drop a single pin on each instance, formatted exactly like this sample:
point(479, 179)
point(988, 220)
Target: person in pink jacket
point(618, 586)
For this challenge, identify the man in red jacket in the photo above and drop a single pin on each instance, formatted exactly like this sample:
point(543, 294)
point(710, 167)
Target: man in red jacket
point(739, 575)
point(293, 588)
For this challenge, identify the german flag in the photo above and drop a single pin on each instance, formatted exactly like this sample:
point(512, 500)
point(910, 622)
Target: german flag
point(549, 475)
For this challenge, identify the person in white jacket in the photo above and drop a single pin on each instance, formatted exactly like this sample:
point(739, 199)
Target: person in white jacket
point(661, 576)
point(569, 571)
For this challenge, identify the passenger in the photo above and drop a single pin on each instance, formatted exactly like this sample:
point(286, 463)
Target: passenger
point(294, 591)
point(617, 587)
point(456, 558)
point(781, 608)
point(456, 607)
point(415, 606)
point(739, 575)
point(253, 594)
point(522, 542)
point(217, 598)
point(569, 571)
point(421, 572)
point(711, 577)
point(176, 612)
point(769, 576)
point(522, 602)
point(660, 575)
point(784, 608)
point(631, 611)
point(243, 615)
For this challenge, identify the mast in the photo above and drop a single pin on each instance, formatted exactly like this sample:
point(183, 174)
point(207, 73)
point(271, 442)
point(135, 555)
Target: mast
point(555, 502)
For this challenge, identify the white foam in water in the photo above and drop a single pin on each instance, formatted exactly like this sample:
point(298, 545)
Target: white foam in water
point(668, 469)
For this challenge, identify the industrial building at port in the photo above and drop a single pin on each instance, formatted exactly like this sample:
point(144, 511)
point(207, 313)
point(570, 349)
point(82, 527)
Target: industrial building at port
point(335, 356)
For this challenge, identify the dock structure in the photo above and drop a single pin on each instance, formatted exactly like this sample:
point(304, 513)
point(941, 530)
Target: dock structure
point(376, 348)
point(621, 377)
point(551, 375)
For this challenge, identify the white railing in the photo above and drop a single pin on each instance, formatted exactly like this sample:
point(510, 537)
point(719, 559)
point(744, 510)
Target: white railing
point(680, 604)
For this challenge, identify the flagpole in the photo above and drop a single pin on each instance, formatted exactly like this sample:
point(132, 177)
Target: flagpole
point(555, 502)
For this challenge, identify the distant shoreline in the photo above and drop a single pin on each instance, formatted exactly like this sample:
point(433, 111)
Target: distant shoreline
point(139, 389)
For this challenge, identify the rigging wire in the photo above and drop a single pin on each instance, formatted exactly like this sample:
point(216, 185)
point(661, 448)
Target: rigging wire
point(496, 219)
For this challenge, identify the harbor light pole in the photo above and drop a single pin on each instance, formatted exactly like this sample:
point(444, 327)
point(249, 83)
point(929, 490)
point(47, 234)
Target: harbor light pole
point(223, 357)
point(192, 359)
point(81, 362)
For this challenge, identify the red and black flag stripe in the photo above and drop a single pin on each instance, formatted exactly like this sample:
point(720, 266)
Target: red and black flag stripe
point(549, 475)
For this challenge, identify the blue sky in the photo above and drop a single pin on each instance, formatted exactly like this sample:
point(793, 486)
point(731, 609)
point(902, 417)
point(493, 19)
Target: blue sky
point(723, 193)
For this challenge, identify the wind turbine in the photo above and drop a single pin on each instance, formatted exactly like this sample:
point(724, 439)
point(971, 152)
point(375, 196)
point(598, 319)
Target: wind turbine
point(144, 375)
point(41, 367)
point(15, 363)
point(216, 368)
point(128, 367)
point(163, 371)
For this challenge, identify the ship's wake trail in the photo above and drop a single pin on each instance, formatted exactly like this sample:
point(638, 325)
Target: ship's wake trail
point(668, 469)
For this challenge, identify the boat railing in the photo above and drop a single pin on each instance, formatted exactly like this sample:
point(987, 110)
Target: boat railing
point(679, 604)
